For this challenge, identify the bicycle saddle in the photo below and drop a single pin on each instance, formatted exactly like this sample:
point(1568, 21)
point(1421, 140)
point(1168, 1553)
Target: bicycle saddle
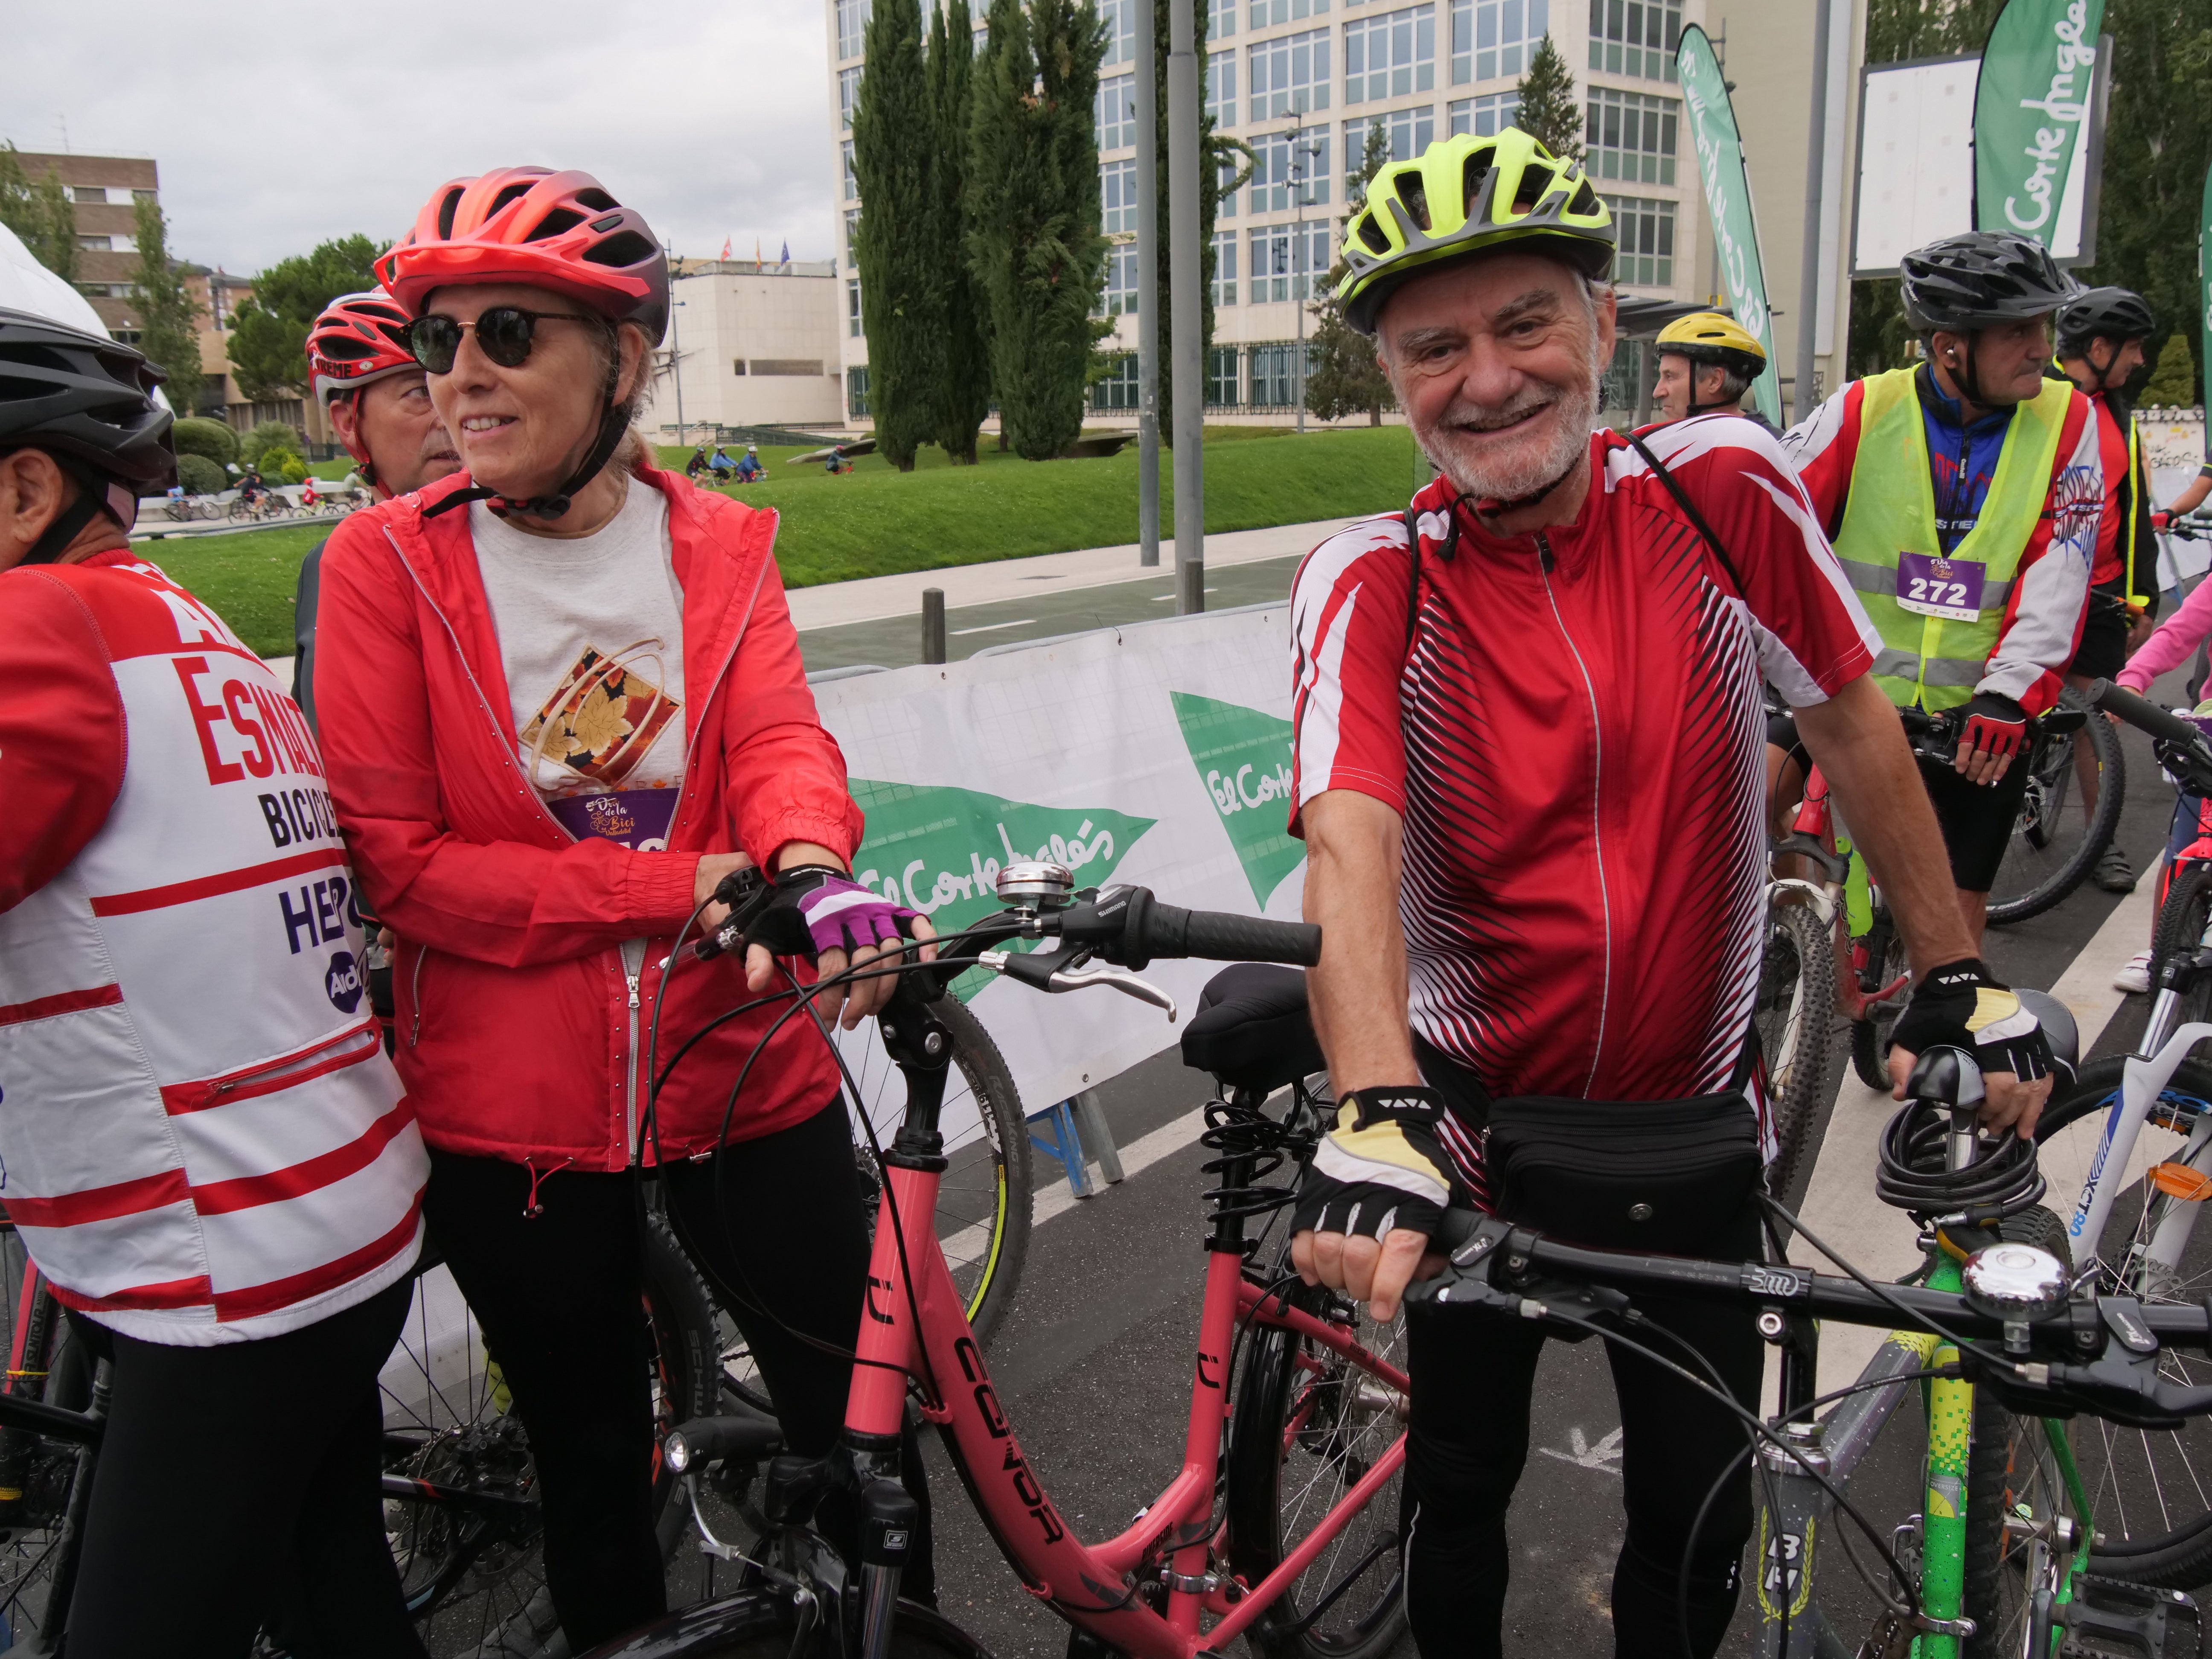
point(2058, 1028)
point(1252, 1030)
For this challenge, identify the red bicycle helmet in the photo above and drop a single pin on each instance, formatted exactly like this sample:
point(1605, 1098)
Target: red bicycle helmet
point(360, 338)
point(556, 230)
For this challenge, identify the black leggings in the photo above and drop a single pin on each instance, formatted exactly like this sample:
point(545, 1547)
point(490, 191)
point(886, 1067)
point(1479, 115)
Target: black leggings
point(237, 1488)
point(1468, 1438)
point(558, 1298)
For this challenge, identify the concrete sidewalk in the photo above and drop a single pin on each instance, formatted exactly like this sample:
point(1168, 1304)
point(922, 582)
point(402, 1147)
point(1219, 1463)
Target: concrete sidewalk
point(873, 598)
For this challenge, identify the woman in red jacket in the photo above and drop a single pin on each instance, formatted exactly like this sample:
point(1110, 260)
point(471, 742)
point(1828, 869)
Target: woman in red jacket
point(561, 698)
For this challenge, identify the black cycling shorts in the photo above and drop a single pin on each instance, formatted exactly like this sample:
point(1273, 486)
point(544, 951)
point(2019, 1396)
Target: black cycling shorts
point(2104, 648)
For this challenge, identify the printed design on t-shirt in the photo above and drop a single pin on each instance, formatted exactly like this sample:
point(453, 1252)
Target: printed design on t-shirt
point(600, 721)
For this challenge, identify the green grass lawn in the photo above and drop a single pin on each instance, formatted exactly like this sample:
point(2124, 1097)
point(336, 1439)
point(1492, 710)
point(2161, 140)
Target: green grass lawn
point(874, 520)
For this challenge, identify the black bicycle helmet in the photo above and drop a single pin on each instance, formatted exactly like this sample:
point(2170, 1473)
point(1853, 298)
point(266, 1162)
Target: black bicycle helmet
point(89, 403)
point(1980, 277)
point(2112, 314)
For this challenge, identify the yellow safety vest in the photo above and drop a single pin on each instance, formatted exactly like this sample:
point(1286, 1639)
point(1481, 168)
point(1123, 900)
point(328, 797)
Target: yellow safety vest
point(1891, 510)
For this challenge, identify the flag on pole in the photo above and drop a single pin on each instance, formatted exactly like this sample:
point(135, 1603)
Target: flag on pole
point(787, 258)
point(1719, 147)
point(757, 256)
point(2031, 108)
point(726, 247)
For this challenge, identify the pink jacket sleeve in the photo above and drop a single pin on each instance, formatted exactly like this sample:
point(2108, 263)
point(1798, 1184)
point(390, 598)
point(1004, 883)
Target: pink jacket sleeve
point(2176, 638)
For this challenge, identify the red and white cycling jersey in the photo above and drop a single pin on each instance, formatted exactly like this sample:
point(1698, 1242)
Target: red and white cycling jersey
point(1575, 745)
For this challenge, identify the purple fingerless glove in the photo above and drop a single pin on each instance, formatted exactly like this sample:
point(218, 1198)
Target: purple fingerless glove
point(816, 908)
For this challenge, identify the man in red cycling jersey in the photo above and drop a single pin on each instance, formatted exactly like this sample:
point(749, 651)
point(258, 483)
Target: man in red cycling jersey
point(1527, 740)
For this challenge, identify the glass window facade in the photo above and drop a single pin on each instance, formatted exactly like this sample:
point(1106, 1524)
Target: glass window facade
point(1286, 259)
point(1392, 55)
point(1635, 36)
point(1224, 267)
point(1230, 169)
point(1631, 137)
point(1268, 12)
point(1490, 38)
point(852, 178)
point(1484, 116)
point(853, 309)
point(851, 28)
point(1289, 175)
point(852, 229)
point(1116, 110)
point(1117, 197)
point(1645, 226)
point(1274, 376)
point(1289, 76)
point(1224, 386)
point(856, 392)
point(1118, 389)
point(1409, 131)
point(1120, 17)
point(1220, 19)
point(848, 94)
point(1119, 296)
point(1221, 88)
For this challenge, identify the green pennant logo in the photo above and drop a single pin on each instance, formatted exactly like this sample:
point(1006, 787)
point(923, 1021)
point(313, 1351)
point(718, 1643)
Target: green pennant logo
point(1244, 757)
point(939, 849)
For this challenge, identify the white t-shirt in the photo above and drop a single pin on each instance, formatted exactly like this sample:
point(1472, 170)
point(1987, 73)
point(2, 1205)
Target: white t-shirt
point(591, 635)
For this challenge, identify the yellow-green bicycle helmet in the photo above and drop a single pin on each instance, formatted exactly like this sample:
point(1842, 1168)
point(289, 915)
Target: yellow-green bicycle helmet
point(1462, 196)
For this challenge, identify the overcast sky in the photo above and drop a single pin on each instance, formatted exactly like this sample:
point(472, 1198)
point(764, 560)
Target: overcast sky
point(277, 126)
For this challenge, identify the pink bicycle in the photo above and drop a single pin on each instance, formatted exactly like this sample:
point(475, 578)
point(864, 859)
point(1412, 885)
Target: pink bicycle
point(1281, 1524)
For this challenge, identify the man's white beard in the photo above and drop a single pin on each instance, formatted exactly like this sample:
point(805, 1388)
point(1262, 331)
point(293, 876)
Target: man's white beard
point(1535, 463)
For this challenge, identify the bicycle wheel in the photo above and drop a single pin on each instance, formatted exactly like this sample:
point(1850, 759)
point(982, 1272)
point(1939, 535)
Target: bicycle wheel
point(1795, 1017)
point(762, 1624)
point(1870, 1036)
point(2058, 838)
point(475, 1581)
point(1305, 1428)
point(984, 1197)
point(2181, 924)
point(2014, 1489)
point(59, 1371)
point(2149, 1491)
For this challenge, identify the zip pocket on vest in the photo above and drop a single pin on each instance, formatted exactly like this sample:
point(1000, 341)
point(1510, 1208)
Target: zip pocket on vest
point(331, 1054)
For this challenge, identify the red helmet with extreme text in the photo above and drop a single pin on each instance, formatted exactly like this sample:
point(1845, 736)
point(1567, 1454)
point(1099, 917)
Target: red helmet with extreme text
point(359, 338)
point(556, 230)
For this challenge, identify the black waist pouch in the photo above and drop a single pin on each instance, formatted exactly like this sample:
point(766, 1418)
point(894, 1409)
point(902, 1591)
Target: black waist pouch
point(1662, 1175)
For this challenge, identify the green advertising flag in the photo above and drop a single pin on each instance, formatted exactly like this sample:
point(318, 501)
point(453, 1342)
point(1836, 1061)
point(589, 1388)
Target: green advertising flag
point(2031, 107)
point(939, 849)
point(1728, 202)
point(1244, 758)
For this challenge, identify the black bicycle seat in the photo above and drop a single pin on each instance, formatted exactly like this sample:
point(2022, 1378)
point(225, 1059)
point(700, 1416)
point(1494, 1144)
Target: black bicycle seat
point(1252, 1030)
point(2058, 1027)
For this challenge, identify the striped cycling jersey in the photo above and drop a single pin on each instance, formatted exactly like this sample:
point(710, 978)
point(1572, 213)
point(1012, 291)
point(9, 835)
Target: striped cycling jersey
point(1574, 744)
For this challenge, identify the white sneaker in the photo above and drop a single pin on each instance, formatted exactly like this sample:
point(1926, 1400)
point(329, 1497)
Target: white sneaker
point(2135, 976)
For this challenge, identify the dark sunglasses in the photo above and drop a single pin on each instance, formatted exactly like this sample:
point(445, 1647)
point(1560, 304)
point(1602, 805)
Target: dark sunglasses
point(504, 334)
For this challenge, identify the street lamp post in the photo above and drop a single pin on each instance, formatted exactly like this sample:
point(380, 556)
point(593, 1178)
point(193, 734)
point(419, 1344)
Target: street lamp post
point(1302, 156)
point(676, 365)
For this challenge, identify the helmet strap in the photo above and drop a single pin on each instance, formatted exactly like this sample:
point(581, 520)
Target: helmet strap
point(614, 422)
point(94, 495)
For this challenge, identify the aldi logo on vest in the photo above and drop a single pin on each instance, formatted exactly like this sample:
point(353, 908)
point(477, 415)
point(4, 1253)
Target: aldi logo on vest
point(342, 983)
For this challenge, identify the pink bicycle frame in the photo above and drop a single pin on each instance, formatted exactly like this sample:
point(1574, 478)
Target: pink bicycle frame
point(1094, 1587)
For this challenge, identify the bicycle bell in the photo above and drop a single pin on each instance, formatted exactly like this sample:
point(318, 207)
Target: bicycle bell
point(1029, 886)
point(2016, 1283)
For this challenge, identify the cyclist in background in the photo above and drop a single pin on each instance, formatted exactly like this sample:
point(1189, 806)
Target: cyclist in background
point(651, 733)
point(1527, 733)
point(1976, 588)
point(2101, 345)
point(750, 469)
point(375, 397)
point(1707, 362)
point(206, 1153)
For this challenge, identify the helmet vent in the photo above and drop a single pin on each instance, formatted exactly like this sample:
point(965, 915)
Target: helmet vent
point(1373, 236)
point(625, 248)
point(1534, 183)
point(1413, 190)
point(13, 389)
point(594, 198)
point(1478, 170)
point(554, 223)
point(511, 193)
point(1585, 200)
point(446, 208)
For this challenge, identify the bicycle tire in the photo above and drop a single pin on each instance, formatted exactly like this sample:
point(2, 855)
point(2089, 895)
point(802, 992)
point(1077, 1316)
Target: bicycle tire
point(1300, 1430)
point(2009, 1466)
point(761, 1624)
point(988, 1184)
point(2181, 925)
point(464, 1433)
point(1870, 1036)
point(2131, 1474)
point(57, 1370)
point(1795, 1015)
point(2048, 789)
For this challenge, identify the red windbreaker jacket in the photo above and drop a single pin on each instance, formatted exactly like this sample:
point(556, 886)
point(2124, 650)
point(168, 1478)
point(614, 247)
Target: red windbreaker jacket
point(521, 1036)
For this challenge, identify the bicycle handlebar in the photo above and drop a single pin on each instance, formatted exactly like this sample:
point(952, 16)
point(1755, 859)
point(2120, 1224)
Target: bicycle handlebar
point(2181, 744)
point(2098, 1354)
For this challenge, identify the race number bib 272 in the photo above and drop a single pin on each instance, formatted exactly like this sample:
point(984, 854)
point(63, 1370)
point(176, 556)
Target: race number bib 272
point(1936, 587)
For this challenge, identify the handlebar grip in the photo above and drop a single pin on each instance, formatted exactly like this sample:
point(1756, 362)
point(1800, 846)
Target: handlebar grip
point(2143, 715)
point(1172, 931)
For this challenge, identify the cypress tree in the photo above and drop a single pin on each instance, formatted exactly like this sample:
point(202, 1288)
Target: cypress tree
point(964, 378)
point(1033, 211)
point(1550, 113)
point(891, 151)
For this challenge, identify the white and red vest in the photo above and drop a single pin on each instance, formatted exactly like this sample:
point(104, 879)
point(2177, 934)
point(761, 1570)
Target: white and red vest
point(201, 1140)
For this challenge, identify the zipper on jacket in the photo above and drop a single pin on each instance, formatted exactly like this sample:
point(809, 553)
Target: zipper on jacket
point(1598, 827)
point(261, 1079)
point(633, 961)
point(415, 995)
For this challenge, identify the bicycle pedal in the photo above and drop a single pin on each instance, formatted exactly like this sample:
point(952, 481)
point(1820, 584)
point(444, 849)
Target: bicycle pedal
point(2112, 1619)
point(1890, 1638)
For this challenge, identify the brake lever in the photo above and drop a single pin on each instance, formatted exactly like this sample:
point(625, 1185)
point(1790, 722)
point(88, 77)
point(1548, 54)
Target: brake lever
point(1079, 975)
